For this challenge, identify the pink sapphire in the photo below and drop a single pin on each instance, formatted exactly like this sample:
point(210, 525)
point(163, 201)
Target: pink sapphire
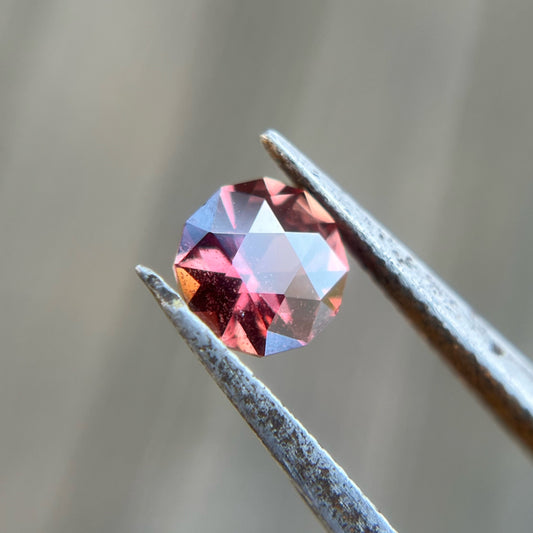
point(263, 265)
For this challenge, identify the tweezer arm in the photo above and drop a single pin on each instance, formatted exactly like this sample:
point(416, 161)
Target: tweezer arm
point(496, 370)
point(330, 493)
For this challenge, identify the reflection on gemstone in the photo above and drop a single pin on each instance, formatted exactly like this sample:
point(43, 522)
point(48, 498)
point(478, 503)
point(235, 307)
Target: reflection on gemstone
point(263, 265)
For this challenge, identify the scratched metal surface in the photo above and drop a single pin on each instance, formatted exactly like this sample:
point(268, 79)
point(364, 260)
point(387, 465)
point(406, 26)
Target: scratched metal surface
point(496, 370)
point(119, 119)
point(338, 503)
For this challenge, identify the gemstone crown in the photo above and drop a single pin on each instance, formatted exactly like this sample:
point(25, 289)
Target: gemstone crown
point(263, 265)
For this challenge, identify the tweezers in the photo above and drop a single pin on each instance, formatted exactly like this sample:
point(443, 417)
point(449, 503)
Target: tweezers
point(500, 375)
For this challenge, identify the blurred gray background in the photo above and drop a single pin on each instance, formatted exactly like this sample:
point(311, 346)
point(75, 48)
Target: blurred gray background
point(118, 119)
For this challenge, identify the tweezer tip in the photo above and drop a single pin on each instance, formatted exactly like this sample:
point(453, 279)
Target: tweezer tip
point(273, 142)
point(161, 291)
point(149, 278)
point(267, 134)
point(143, 272)
point(270, 139)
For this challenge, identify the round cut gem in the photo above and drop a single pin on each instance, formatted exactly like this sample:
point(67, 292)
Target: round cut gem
point(263, 265)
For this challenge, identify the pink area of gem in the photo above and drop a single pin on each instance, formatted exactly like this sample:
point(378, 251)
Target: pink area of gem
point(263, 265)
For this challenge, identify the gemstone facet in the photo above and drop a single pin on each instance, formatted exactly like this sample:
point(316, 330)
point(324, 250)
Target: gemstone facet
point(263, 265)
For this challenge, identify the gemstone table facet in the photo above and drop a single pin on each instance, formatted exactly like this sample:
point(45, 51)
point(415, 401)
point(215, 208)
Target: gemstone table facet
point(263, 265)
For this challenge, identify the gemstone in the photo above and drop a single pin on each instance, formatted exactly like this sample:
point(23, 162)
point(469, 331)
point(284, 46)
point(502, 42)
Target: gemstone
point(263, 265)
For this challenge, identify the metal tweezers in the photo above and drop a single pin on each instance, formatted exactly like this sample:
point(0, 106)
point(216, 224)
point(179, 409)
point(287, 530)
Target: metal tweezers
point(500, 375)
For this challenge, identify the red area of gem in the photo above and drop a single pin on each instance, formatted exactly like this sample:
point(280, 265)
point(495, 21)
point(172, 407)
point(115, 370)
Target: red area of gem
point(263, 265)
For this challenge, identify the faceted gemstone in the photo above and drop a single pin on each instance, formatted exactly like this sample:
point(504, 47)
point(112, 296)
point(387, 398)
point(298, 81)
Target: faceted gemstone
point(263, 265)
